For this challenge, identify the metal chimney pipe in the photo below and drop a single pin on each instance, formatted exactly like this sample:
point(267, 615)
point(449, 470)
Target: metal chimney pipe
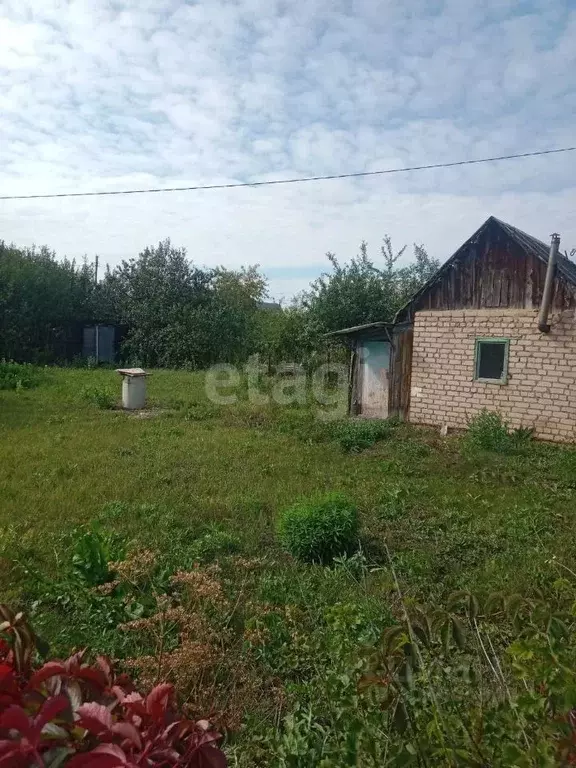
point(548, 285)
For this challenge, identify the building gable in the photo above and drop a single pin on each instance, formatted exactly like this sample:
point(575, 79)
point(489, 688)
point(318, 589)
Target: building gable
point(499, 267)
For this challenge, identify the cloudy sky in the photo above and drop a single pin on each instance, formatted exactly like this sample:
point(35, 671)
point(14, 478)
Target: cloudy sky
point(115, 94)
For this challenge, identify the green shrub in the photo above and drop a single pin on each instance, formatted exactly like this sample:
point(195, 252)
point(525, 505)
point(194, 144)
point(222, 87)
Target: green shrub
point(213, 543)
point(319, 529)
point(358, 434)
point(489, 432)
point(101, 397)
point(93, 550)
point(18, 375)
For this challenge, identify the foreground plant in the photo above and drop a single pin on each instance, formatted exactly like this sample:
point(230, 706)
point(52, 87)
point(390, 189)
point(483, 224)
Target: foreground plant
point(319, 529)
point(19, 375)
point(79, 715)
point(451, 693)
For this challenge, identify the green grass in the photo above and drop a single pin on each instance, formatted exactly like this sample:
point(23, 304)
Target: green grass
point(462, 515)
point(18, 376)
point(195, 482)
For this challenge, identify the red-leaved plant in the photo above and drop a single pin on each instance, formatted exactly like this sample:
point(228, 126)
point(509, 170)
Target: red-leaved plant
point(78, 715)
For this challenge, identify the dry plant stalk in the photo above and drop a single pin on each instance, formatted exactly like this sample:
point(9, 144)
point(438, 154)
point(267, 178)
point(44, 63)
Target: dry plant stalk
point(137, 566)
point(208, 667)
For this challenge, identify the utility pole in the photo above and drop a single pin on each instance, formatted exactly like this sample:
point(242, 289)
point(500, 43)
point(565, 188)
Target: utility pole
point(97, 328)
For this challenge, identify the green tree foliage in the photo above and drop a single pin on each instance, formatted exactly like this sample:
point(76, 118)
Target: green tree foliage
point(361, 291)
point(234, 313)
point(289, 334)
point(179, 314)
point(43, 303)
point(159, 295)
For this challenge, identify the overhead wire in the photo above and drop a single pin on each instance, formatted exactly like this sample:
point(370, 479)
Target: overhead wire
point(296, 180)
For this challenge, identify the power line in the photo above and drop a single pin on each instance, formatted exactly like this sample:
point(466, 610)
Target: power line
point(298, 180)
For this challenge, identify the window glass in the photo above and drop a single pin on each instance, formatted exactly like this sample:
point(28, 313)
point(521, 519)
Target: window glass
point(491, 359)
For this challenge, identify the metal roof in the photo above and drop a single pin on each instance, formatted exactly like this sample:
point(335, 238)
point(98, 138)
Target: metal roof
point(358, 328)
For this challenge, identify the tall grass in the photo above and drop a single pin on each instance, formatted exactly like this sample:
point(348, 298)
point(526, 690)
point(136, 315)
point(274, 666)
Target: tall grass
point(19, 375)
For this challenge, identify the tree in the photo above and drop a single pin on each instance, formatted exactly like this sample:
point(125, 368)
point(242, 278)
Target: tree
point(43, 304)
point(233, 317)
point(361, 292)
point(414, 276)
point(179, 314)
point(158, 295)
point(286, 336)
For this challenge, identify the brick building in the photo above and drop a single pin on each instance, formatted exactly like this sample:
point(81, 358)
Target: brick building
point(494, 328)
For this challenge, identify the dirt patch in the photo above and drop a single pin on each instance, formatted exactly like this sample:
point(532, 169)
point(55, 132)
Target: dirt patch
point(146, 413)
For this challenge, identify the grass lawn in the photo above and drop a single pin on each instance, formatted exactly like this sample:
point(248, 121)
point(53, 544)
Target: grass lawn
point(195, 483)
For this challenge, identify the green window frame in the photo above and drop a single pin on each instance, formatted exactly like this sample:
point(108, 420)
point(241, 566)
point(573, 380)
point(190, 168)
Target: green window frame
point(491, 340)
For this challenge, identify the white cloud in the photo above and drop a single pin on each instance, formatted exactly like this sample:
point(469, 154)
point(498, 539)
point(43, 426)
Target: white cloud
point(109, 95)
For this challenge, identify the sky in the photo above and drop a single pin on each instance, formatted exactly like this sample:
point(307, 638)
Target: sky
point(120, 94)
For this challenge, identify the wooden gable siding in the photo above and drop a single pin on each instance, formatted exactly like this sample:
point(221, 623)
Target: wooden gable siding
point(492, 273)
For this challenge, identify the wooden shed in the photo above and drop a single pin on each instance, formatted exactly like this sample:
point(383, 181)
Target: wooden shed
point(380, 356)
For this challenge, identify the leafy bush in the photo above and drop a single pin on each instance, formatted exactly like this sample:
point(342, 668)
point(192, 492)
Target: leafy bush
point(320, 529)
point(489, 432)
point(18, 376)
point(357, 434)
point(213, 543)
point(69, 713)
point(92, 553)
point(446, 687)
point(101, 397)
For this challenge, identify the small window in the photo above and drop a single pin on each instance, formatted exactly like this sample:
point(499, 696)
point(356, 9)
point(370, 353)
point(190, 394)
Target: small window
point(492, 360)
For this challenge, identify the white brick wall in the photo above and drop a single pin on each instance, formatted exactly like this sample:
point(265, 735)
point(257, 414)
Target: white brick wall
point(541, 388)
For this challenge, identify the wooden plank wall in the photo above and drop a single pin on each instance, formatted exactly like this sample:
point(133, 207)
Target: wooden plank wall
point(490, 275)
point(401, 372)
